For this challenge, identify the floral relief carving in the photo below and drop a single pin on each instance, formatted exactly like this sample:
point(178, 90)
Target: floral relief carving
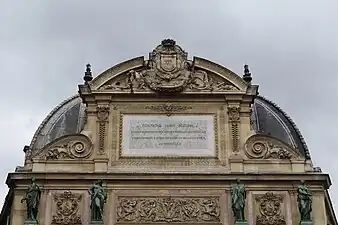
point(168, 70)
point(234, 119)
point(169, 108)
point(265, 148)
point(78, 148)
point(102, 115)
point(67, 209)
point(168, 210)
point(270, 210)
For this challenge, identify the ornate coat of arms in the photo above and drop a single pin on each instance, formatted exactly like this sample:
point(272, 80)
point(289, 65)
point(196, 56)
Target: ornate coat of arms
point(167, 68)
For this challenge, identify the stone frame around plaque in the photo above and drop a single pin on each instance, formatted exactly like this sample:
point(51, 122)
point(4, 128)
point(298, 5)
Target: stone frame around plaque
point(215, 136)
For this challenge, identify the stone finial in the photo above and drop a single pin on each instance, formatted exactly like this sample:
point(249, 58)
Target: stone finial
point(247, 75)
point(88, 74)
point(25, 148)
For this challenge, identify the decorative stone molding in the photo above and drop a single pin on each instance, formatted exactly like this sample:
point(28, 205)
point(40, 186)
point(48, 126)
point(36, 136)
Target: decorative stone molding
point(76, 146)
point(265, 147)
point(234, 119)
point(168, 70)
point(270, 210)
point(169, 108)
point(67, 209)
point(102, 116)
point(168, 210)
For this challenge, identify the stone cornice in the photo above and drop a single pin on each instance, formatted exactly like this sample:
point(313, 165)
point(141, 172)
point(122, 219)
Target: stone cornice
point(256, 178)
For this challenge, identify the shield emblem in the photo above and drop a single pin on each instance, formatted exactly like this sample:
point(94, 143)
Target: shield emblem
point(168, 62)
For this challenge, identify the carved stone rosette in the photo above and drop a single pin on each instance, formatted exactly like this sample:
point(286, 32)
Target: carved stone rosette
point(270, 210)
point(234, 119)
point(168, 210)
point(102, 116)
point(67, 209)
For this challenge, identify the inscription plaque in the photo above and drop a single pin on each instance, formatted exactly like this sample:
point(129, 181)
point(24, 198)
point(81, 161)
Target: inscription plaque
point(161, 135)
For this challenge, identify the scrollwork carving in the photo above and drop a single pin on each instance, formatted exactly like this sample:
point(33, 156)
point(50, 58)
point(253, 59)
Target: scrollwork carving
point(67, 209)
point(265, 148)
point(78, 148)
point(168, 210)
point(270, 210)
point(102, 115)
point(169, 108)
point(169, 70)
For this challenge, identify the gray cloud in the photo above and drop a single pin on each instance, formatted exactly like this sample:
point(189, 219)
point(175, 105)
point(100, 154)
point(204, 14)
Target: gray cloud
point(290, 46)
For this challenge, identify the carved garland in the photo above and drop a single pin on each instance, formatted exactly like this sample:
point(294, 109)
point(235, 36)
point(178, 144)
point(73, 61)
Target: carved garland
point(270, 210)
point(67, 207)
point(168, 210)
point(102, 115)
point(234, 119)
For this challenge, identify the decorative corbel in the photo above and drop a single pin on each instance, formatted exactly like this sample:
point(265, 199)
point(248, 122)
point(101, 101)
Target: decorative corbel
point(102, 116)
point(234, 120)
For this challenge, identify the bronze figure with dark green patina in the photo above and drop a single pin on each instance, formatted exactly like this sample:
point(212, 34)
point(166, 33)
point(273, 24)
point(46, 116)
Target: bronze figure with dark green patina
point(32, 199)
point(238, 196)
point(98, 199)
point(304, 199)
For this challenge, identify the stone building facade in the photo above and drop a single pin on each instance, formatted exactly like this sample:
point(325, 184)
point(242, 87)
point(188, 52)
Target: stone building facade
point(168, 136)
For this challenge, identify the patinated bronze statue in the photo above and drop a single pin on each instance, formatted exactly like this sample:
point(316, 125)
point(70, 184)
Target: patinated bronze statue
point(304, 199)
point(238, 196)
point(32, 199)
point(98, 199)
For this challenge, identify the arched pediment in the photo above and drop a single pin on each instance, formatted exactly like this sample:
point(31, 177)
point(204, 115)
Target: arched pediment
point(261, 146)
point(169, 70)
point(69, 147)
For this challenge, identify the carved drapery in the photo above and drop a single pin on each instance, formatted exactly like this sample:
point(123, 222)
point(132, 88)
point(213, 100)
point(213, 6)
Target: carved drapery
point(67, 209)
point(234, 119)
point(168, 210)
point(102, 116)
point(270, 210)
point(263, 147)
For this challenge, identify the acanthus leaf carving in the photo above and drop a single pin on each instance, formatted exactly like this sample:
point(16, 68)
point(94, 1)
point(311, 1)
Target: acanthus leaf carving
point(67, 209)
point(270, 210)
point(261, 147)
point(168, 210)
point(168, 70)
point(69, 147)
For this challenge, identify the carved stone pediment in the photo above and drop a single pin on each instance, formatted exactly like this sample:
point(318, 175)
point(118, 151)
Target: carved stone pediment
point(265, 147)
point(77, 146)
point(168, 70)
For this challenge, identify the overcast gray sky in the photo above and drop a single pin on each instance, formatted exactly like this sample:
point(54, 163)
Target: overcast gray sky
point(291, 47)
